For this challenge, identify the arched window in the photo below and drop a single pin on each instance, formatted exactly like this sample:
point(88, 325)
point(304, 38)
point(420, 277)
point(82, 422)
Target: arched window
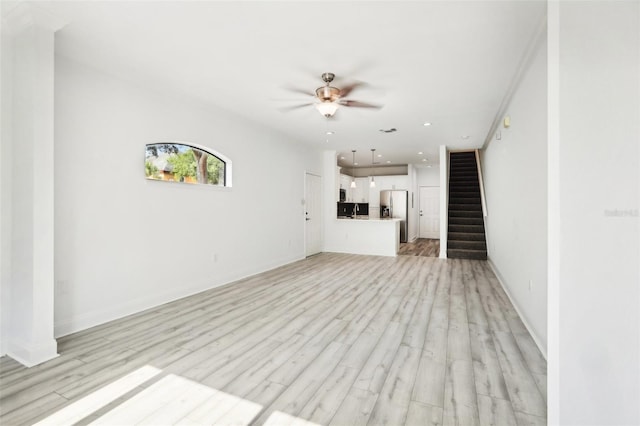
point(188, 163)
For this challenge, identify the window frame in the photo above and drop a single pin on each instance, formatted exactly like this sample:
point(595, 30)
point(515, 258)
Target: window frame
point(226, 161)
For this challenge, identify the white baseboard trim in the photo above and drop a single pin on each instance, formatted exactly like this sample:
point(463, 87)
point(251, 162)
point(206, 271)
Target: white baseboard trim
point(87, 320)
point(364, 252)
point(501, 280)
point(29, 355)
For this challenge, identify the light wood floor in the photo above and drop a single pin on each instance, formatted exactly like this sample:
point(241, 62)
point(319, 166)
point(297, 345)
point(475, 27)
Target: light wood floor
point(420, 247)
point(331, 340)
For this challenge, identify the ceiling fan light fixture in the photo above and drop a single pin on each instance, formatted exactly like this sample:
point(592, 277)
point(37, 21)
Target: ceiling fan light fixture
point(327, 108)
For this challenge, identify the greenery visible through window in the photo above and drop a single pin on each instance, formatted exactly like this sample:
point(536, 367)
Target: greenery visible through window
point(183, 163)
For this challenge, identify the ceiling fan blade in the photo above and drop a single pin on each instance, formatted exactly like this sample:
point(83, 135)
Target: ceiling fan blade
point(301, 91)
point(346, 90)
point(358, 104)
point(294, 107)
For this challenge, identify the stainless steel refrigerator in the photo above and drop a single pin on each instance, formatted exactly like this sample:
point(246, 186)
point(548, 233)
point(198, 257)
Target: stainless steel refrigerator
point(394, 204)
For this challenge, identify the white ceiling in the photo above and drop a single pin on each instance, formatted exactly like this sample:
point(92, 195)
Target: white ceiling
point(446, 62)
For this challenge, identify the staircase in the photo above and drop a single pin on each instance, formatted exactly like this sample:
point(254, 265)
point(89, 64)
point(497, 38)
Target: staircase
point(466, 238)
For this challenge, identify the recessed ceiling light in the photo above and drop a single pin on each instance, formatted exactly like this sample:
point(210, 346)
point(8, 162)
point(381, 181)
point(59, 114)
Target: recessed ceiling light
point(355, 164)
point(379, 155)
point(388, 161)
point(342, 158)
point(428, 166)
point(464, 137)
point(420, 153)
point(330, 132)
point(424, 159)
point(427, 124)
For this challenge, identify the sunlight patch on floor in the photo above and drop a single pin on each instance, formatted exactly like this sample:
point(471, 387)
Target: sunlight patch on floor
point(174, 399)
point(171, 400)
point(100, 398)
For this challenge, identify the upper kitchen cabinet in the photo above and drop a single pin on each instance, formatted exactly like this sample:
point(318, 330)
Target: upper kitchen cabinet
point(345, 183)
point(361, 192)
point(391, 182)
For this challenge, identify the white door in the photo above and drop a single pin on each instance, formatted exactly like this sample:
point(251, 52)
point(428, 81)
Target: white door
point(430, 212)
point(313, 214)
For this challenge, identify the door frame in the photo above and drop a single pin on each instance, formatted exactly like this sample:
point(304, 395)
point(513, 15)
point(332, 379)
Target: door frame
point(320, 213)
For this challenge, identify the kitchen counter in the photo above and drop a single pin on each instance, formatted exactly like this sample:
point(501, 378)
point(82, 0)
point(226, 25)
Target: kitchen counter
point(365, 235)
point(371, 219)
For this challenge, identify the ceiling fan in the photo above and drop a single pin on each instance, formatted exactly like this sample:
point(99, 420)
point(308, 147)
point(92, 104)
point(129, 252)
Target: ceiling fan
point(328, 98)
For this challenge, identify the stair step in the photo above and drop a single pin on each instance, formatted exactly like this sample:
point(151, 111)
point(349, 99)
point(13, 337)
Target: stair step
point(467, 254)
point(466, 236)
point(466, 181)
point(473, 178)
point(463, 194)
point(473, 185)
point(465, 213)
point(469, 192)
point(463, 176)
point(466, 187)
point(465, 207)
point(462, 184)
point(466, 245)
point(466, 228)
point(465, 200)
point(466, 220)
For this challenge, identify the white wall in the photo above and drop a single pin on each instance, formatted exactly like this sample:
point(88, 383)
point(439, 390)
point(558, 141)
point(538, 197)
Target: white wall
point(598, 183)
point(5, 183)
point(515, 178)
point(428, 176)
point(124, 243)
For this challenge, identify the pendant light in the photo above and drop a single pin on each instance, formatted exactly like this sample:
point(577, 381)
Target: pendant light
point(353, 171)
point(373, 182)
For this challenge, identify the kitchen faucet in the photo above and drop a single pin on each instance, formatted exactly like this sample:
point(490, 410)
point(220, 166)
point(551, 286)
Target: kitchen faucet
point(356, 208)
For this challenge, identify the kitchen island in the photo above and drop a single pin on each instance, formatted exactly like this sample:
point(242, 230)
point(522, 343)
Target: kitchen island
point(365, 235)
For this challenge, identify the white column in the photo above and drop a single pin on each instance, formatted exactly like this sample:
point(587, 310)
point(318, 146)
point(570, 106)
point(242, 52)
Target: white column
point(444, 200)
point(29, 320)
